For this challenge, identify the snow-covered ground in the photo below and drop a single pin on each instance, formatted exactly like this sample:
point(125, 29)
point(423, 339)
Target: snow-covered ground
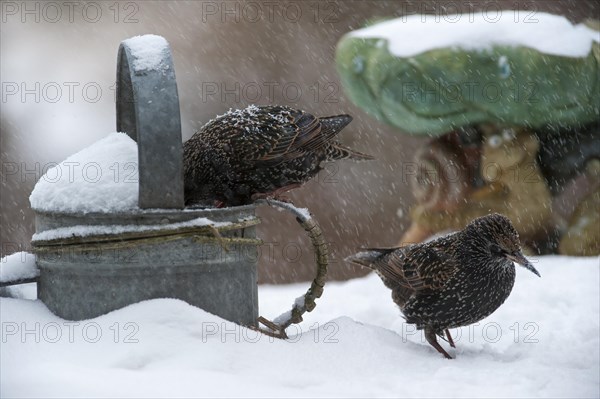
point(543, 342)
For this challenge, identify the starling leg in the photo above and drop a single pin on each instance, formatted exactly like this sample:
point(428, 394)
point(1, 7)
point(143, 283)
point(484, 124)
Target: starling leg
point(432, 339)
point(276, 194)
point(450, 340)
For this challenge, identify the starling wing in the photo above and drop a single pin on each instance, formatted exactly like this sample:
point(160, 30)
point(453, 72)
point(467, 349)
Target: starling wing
point(280, 133)
point(412, 269)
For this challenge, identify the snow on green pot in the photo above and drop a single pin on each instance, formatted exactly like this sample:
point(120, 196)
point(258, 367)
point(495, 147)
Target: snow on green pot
point(428, 76)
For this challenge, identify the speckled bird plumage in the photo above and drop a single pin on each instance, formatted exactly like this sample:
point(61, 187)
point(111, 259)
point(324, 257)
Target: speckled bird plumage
point(453, 281)
point(259, 150)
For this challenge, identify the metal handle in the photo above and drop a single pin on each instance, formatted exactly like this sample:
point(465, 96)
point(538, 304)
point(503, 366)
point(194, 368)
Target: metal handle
point(305, 303)
point(148, 111)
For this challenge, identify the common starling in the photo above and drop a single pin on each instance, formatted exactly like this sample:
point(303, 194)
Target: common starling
point(259, 151)
point(454, 280)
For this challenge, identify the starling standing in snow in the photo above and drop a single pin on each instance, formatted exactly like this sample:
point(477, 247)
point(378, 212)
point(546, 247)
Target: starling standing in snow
point(259, 152)
point(453, 281)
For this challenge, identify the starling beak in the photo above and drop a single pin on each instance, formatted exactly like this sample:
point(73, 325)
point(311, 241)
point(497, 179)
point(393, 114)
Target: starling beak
point(521, 260)
point(454, 281)
point(260, 151)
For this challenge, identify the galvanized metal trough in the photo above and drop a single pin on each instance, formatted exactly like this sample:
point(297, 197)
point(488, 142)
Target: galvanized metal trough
point(212, 266)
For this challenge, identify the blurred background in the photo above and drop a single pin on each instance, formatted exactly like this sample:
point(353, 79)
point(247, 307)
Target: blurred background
point(57, 68)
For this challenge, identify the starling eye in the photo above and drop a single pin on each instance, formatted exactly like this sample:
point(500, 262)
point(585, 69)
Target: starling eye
point(496, 250)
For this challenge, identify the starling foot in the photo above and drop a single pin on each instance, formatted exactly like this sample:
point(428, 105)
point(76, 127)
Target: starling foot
point(450, 340)
point(432, 339)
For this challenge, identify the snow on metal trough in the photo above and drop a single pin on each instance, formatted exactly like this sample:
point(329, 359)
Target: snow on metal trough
point(95, 260)
point(102, 243)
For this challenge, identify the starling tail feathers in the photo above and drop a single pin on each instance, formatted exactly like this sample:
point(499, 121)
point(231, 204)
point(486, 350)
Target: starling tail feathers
point(337, 151)
point(335, 123)
point(368, 256)
point(331, 127)
point(373, 258)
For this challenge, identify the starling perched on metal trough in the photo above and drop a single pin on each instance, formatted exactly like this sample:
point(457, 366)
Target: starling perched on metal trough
point(454, 280)
point(259, 151)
